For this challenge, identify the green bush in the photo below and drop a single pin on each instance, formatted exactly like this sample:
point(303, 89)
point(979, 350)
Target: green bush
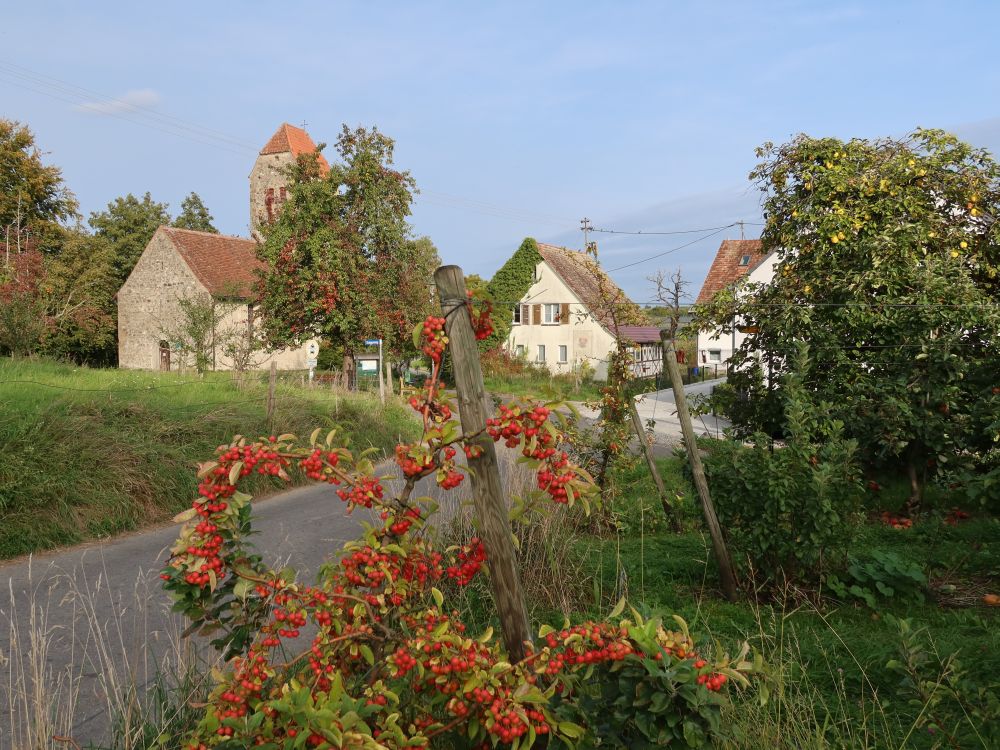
point(877, 576)
point(789, 509)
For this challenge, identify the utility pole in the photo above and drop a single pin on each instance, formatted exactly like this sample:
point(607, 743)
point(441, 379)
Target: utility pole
point(586, 227)
point(742, 236)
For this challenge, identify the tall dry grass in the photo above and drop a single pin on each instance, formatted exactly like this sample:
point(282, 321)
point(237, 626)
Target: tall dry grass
point(82, 665)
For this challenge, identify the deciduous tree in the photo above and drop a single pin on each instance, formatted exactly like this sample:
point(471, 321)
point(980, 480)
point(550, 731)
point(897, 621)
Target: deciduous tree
point(341, 262)
point(128, 224)
point(33, 199)
point(195, 215)
point(888, 268)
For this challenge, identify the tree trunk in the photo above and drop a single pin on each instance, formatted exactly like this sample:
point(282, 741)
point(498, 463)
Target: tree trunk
point(916, 486)
point(349, 370)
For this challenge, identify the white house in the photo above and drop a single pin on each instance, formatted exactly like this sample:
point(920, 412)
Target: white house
point(735, 260)
point(560, 322)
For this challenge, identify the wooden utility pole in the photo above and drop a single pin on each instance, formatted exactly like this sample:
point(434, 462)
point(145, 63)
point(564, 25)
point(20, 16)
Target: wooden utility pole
point(725, 563)
point(271, 383)
point(668, 509)
point(491, 507)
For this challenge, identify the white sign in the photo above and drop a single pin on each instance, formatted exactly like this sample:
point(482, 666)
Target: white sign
point(312, 349)
point(310, 363)
point(369, 365)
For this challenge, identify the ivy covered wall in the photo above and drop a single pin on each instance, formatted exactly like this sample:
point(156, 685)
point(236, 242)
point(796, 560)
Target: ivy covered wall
point(509, 284)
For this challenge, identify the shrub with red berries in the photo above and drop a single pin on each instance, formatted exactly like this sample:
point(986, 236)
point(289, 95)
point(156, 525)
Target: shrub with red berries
point(371, 656)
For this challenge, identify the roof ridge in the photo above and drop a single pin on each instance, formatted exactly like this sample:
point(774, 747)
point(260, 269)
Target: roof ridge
point(172, 228)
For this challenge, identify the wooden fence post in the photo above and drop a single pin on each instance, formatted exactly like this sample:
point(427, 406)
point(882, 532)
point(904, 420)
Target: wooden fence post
point(669, 510)
point(491, 507)
point(726, 573)
point(272, 381)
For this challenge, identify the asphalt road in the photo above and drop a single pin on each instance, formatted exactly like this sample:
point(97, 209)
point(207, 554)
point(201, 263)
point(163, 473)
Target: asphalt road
point(77, 625)
point(660, 408)
point(105, 622)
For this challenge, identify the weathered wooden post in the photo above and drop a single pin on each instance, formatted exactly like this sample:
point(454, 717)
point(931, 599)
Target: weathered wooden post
point(491, 507)
point(708, 509)
point(669, 510)
point(272, 382)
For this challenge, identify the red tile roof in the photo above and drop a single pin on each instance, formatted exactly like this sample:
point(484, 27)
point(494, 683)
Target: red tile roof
point(583, 277)
point(293, 140)
point(225, 265)
point(726, 267)
point(640, 334)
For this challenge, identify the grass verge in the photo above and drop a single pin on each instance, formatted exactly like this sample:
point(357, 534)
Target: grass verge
point(829, 678)
point(89, 453)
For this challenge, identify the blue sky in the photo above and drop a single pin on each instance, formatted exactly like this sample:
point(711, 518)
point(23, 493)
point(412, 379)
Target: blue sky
point(516, 119)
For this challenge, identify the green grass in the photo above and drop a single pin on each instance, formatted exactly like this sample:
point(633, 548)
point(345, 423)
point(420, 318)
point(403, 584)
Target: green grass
point(88, 453)
point(833, 656)
point(532, 384)
point(540, 385)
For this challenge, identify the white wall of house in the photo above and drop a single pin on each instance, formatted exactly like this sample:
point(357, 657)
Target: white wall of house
point(561, 347)
point(714, 347)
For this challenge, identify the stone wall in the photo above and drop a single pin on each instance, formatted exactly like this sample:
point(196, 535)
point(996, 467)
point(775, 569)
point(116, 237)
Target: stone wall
point(268, 173)
point(149, 307)
point(148, 302)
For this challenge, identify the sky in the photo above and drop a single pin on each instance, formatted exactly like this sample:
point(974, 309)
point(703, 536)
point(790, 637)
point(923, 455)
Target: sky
point(515, 119)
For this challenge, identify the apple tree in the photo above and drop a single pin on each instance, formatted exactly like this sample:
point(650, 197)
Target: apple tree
point(887, 267)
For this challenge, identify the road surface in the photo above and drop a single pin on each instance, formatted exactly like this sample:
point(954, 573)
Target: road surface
point(105, 623)
point(660, 408)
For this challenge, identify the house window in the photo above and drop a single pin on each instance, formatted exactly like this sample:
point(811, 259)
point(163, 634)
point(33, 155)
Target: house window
point(517, 315)
point(745, 260)
point(714, 355)
point(550, 314)
point(541, 353)
point(519, 350)
point(563, 354)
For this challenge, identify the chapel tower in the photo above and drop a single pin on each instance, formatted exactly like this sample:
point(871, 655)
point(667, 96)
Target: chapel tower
point(269, 178)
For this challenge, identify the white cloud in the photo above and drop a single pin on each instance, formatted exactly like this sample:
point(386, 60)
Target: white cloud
point(130, 101)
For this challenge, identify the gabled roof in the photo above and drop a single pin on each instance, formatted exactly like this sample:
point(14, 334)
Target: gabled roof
point(289, 139)
point(224, 264)
point(585, 278)
point(727, 267)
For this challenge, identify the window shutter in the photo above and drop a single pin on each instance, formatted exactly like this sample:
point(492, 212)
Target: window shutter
point(564, 314)
point(536, 315)
point(526, 315)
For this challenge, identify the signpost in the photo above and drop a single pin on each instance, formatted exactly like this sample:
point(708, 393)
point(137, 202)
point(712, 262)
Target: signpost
point(381, 384)
point(312, 352)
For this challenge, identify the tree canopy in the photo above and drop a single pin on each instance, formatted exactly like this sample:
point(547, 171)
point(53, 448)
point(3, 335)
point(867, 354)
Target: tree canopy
point(887, 261)
point(33, 198)
point(195, 215)
point(128, 224)
point(341, 260)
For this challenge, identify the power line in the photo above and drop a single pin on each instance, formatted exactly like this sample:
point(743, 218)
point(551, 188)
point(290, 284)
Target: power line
point(146, 116)
point(678, 231)
point(668, 252)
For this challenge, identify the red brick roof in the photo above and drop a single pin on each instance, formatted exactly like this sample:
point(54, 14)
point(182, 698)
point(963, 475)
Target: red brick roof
point(582, 276)
point(726, 268)
point(293, 140)
point(225, 265)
